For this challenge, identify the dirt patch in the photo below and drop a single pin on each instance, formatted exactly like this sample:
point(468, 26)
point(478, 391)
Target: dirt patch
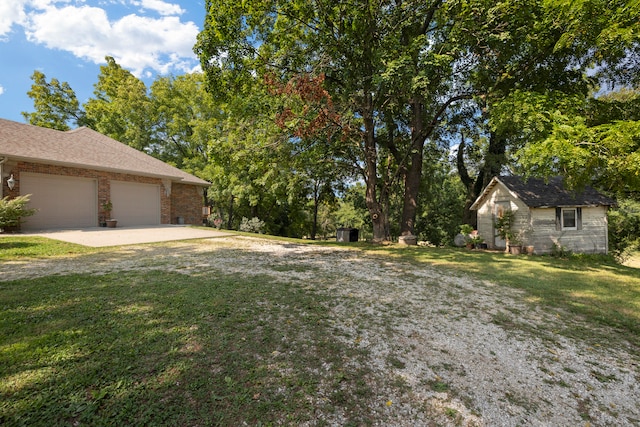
point(452, 349)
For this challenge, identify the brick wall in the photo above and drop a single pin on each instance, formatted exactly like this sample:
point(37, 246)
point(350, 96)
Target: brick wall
point(187, 202)
point(184, 200)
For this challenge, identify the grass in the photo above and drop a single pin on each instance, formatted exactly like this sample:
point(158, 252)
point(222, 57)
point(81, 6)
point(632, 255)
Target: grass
point(15, 247)
point(599, 290)
point(172, 349)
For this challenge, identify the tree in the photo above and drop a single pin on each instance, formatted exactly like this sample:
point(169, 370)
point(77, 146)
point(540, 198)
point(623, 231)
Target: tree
point(533, 58)
point(121, 108)
point(387, 64)
point(282, 39)
point(597, 143)
point(56, 105)
point(307, 116)
point(185, 118)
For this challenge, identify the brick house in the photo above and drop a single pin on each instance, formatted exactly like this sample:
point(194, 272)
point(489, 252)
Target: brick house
point(71, 175)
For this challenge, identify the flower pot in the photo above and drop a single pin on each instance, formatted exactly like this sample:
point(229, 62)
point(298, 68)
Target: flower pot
point(515, 250)
point(111, 223)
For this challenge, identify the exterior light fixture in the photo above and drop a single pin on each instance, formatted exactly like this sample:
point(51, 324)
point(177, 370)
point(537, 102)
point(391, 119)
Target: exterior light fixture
point(11, 182)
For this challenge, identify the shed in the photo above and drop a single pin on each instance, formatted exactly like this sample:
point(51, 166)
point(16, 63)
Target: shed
point(546, 215)
point(71, 175)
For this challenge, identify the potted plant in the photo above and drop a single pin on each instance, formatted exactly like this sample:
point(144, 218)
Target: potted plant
point(467, 232)
point(476, 241)
point(107, 207)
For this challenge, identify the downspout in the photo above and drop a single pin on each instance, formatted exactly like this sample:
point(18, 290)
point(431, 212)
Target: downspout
point(2, 160)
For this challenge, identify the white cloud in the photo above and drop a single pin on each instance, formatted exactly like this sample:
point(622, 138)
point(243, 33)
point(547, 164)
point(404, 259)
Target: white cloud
point(1, 90)
point(136, 42)
point(11, 12)
point(162, 7)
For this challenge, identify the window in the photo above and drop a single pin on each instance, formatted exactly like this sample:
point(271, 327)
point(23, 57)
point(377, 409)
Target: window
point(569, 219)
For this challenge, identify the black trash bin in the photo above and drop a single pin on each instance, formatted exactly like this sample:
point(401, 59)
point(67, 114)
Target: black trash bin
point(347, 235)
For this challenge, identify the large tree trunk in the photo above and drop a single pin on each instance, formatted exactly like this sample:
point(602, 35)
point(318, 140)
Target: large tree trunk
point(413, 174)
point(379, 215)
point(316, 201)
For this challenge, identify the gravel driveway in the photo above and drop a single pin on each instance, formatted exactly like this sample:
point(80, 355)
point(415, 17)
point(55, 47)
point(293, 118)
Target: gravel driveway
point(469, 352)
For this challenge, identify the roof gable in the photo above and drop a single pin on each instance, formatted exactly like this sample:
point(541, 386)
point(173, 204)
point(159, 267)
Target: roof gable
point(537, 193)
point(83, 147)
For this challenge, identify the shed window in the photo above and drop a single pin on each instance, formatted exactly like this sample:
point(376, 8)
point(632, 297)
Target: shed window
point(569, 219)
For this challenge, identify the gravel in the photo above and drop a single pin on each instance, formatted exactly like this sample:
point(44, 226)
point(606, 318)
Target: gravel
point(468, 352)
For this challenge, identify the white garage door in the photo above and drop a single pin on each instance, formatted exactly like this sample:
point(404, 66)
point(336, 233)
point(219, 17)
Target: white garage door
point(135, 203)
point(62, 202)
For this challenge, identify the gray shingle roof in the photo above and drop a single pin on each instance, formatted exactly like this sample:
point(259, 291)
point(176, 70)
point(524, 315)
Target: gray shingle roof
point(83, 147)
point(537, 193)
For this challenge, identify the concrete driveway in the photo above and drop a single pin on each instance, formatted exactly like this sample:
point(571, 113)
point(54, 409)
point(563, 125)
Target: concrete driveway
point(102, 236)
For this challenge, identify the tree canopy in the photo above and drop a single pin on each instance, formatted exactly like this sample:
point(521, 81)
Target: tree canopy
point(404, 108)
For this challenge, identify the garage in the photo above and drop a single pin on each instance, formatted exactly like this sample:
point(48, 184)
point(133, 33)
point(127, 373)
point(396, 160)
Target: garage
point(62, 201)
point(135, 203)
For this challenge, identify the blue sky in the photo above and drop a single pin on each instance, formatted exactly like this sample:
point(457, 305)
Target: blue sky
point(68, 40)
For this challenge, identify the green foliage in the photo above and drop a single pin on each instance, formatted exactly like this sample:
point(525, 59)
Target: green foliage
point(624, 228)
point(121, 108)
point(504, 226)
point(441, 206)
point(55, 104)
point(185, 119)
point(253, 225)
point(596, 143)
point(12, 211)
point(466, 229)
point(305, 97)
point(559, 251)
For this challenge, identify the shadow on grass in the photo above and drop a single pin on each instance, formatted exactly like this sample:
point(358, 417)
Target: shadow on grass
point(595, 287)
point(159, 348)
point(11, 245)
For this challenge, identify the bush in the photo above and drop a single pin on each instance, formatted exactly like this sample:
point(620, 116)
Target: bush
point(624, 229)
point(13, 210)
point(253, 225)
point(214, 221)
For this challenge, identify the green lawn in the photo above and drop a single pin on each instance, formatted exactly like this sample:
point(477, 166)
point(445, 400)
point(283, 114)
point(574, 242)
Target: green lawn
point(141, 348)
point(595, 287)
point(150, 349)
point(14, 247)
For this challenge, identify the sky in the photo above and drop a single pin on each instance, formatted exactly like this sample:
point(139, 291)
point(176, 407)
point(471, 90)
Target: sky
point(69, 39)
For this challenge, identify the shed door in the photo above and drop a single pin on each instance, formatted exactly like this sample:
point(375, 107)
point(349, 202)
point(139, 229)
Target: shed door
point(499, 210)
point(135, 203)
point(62, 201)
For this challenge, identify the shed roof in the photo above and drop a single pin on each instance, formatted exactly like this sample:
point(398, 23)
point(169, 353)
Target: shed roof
point(83, 147)
point(538, 193)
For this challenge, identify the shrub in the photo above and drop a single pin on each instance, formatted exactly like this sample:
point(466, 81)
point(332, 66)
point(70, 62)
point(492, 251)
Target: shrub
point(13, 210)
point(559, 251)
point(624, 228)
point(214, 222)
point(253, 225)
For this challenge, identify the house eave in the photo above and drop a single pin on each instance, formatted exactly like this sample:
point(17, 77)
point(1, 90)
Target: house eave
point(172, 178)
point(488, 189)
point(569, 206)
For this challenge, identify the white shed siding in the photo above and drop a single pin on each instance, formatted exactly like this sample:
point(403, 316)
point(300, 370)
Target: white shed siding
point(592, 238)
point(486, 214)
